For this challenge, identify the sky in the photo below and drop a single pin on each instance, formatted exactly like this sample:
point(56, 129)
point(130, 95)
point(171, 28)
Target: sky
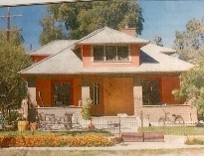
point(162, 18)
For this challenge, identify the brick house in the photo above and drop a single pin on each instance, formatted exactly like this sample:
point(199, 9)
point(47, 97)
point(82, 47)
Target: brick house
point(119, 72)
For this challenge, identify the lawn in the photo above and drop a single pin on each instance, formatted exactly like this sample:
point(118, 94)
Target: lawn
point(176, 130)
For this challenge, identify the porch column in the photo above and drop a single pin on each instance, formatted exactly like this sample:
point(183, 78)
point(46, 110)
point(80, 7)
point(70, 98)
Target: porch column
point(85, 93)
point(137, 94)
point(32, 90)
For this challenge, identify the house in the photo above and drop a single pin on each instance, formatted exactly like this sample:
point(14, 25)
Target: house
point(119, 72)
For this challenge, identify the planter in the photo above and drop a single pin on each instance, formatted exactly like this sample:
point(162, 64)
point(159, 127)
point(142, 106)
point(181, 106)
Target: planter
point(22, 125)
point(33, 126)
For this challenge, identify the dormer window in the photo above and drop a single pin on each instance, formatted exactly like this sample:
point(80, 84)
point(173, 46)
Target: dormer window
point(111, 53)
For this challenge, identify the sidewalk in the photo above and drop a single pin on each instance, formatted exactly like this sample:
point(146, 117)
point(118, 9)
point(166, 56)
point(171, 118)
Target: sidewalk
point(171, 142)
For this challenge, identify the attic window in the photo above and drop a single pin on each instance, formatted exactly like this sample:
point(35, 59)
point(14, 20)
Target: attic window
point(111, 53)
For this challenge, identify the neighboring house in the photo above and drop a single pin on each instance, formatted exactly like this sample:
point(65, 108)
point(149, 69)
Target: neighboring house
point(119, 72)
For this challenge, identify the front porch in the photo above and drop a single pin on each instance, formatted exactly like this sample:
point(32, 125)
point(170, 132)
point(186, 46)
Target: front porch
point(55, 118)
point(111, 95)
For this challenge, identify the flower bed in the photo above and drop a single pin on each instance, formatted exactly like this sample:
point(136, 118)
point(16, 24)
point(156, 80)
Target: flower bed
point(54, 141)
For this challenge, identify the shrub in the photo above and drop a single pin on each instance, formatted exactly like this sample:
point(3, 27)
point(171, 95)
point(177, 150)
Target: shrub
point(194, 141)
point(86, 109)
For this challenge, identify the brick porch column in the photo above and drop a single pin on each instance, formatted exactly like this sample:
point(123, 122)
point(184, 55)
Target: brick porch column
point(137, 94)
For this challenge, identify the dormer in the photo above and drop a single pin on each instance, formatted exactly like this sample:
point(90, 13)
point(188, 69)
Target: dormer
point(108, 47)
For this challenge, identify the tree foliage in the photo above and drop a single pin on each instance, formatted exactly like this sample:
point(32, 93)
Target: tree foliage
point(190, 43)
point(192, 87)
point(75, 20)
point(190, 46)
point(13, 59)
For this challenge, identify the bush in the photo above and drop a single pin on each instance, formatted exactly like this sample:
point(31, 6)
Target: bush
point(86, 109)
point(194, 141)
point(53, 140)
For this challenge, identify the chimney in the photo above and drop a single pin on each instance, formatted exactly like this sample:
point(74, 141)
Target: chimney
point(129, 31)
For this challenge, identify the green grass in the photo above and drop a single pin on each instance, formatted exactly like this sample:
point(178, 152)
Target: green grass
point(73, 133)
point(176, 130)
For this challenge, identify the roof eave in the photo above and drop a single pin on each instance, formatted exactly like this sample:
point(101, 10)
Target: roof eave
point(104, 72)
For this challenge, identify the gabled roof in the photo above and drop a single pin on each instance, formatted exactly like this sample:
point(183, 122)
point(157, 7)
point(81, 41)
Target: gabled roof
point(109, 36)
point(53, 47)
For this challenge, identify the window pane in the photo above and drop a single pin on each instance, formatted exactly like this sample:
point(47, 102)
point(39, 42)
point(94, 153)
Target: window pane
point(98, 53)
point(111, 53)
point(123, 53)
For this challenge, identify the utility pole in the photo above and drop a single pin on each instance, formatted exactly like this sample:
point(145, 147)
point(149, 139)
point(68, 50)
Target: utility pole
point(8, 23)
point(7, 18)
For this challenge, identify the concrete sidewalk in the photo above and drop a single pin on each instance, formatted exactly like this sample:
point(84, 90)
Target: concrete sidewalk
point(171, 142)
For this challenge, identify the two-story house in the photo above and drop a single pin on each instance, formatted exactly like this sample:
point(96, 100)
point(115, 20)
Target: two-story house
point(119, 72)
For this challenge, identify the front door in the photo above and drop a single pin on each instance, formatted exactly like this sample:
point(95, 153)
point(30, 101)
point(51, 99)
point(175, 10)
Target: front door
point(62, 93)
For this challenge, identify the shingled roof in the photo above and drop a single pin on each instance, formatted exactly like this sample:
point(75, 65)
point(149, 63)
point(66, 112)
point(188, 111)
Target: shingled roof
point(63, 60)
point(109, 36)
point(67, 62)
point(53, 47)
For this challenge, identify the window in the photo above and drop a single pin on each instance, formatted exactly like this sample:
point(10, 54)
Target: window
point(111, 53)
point(95, 93)
point(151, 93)
point(123, 54)
point(62, 93)
point(98, 53)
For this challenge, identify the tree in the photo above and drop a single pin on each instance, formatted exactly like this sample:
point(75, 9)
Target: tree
point(190, 46)
point(75, 20)
point(158, 41)
point(192, 87)
point(190, 43)
point(13, 59)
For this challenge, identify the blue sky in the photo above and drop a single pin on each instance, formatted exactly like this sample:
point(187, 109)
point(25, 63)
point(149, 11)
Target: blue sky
point(162, 18)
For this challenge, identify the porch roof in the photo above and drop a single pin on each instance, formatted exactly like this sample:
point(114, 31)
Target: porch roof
point(67, 62)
